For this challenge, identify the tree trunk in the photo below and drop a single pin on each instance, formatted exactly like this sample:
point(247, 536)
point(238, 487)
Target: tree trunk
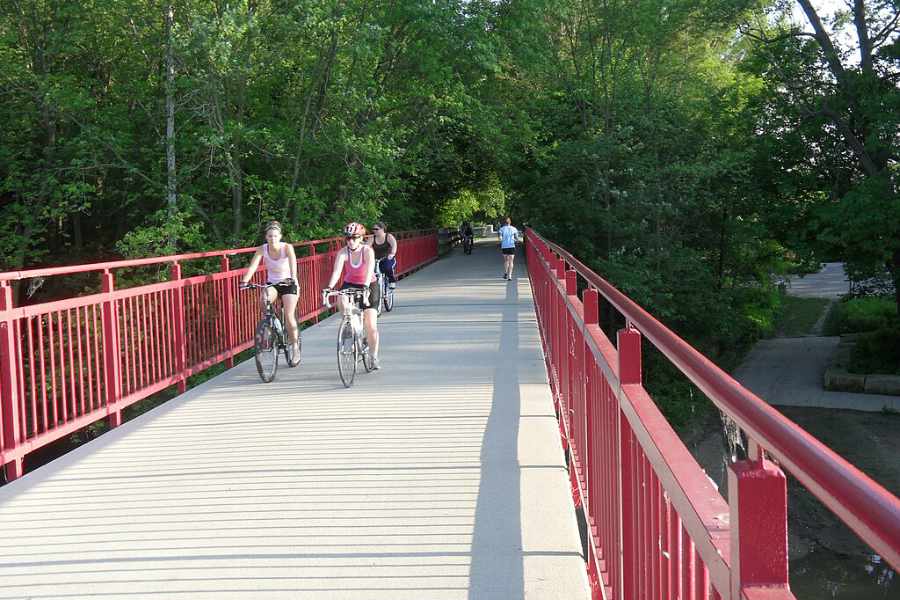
point(862, 33)
point(77, 236)
point(171, 182)
point(895, 271)
point(235, 177)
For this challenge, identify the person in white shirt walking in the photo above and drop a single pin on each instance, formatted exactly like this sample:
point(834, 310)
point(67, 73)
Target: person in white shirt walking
point(508, 236)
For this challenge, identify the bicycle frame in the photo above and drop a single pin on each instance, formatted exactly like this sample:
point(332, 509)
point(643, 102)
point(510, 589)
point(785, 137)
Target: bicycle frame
point(359, 349)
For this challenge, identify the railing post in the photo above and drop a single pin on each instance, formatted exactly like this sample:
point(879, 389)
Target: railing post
point(9, 384)
point(180, 340)
point(314, 267)
point(757, 499)
point(229, 312)
point(629, 351)
point(111, 364)
point(591, 307)
point(629, 346)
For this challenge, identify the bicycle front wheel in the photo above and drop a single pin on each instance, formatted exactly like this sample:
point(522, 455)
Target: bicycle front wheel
point(388, 297)
point(346, 353)
point(266, 345)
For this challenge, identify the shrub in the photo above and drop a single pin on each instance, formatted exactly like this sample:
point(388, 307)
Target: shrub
point(866, 314)
point(877, 352)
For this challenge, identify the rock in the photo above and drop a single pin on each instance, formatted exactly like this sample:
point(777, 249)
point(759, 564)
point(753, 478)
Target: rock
point(883, 384)
point(840, 380)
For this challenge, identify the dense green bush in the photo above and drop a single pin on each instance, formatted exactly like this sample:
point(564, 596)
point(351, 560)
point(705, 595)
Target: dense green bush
point(861, 314)
point(877, 352)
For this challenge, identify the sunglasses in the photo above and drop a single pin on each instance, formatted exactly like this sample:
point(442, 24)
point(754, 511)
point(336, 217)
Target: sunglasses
point(352, 237)
point(376, 229)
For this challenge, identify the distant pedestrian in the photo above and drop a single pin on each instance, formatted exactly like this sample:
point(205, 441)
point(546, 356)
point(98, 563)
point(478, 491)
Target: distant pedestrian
point(508, 236)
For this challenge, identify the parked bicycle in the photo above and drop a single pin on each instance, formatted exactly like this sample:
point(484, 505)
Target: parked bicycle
point(270, 338)
point(352, 346)
point(386, 302)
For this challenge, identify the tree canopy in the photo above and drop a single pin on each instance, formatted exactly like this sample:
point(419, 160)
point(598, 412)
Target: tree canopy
point(688, 149)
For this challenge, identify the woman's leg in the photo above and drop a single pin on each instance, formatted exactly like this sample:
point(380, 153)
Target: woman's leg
point(290, 316)
point(271, 294)
point(370, 319)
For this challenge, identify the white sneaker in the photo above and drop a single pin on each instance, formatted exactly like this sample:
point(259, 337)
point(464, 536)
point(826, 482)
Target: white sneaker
point(375, 364)
point(392, 285)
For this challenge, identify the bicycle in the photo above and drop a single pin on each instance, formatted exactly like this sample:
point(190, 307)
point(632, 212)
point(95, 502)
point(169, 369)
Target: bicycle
point(352, 346)
point(386, 302)
point(270, 338)
point(468, 242)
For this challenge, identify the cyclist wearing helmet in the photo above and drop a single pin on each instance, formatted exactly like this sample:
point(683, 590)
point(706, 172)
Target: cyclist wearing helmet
point(385, 246)
point(281, 270)
point(358, 266)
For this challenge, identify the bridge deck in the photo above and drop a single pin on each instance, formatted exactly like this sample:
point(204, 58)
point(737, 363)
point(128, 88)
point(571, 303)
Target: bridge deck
point(439, 477)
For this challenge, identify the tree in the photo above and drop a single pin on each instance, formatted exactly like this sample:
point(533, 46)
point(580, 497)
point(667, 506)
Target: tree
point(836, 83)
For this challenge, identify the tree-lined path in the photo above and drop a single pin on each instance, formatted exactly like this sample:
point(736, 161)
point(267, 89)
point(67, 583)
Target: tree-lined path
point(440, 476)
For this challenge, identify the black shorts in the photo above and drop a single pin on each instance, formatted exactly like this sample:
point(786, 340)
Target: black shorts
point(508, 250)
point(374, 294)
point(286, 288)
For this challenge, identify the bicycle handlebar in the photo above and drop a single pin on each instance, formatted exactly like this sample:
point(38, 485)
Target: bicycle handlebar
point(328, 293)
point(262, 286)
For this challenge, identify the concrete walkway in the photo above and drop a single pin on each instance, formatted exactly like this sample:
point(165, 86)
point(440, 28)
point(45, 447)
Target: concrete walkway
point(439, 477)
point(831, 282)
point(790, 371)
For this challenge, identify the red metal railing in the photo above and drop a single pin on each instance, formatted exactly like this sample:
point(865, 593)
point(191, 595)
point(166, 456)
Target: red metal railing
point(658, 528)
point(69, 363)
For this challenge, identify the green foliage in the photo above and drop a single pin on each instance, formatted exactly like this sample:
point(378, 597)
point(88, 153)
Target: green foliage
point(164, 233)
point(877, 352)
point(488, 203)
point(862, 314)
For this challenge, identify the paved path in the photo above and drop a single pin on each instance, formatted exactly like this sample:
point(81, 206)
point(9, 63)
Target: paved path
point(790, 371)
point(439, 477)
point(830, 282)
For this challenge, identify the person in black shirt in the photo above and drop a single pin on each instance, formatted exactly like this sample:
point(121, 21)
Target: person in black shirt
point(385, 246)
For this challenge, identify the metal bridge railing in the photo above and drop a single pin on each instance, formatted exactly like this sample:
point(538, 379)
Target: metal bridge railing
point(68, 363)
point(657, 527)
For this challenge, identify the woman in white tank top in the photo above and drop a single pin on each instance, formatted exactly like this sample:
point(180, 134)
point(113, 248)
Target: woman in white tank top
point(281, 271)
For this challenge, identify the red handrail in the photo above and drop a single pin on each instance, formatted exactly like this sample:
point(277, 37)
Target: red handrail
point(68, 363)
point(863, 504)
point(140, 262)
point(639, 453)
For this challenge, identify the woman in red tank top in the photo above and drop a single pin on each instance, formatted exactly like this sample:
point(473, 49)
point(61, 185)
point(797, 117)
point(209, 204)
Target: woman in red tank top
point(357, 263)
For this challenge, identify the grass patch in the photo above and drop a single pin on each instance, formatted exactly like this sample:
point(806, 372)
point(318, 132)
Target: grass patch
point(798, 315)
